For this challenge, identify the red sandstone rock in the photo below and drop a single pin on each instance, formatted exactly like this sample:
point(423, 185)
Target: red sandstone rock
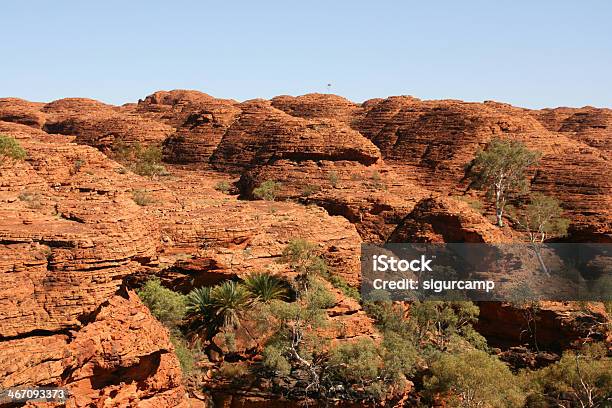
point(21, 111)
point(313, 106)
point(442, 219)
point(71, 234)
point(372, 197)
point(263, 133)
point(592, 126)
point(121, 356)
point(430, 142)
point(553, 326)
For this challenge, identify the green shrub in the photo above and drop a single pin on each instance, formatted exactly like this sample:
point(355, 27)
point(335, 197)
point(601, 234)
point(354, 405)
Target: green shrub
point(584, 377)
point(234, 371)
point(381, 369)
point(31, 199)
point(296, 344)
point(302, 256)
point(333, 178)
point(310, 189)
point(230, 299)
point(268, 190)
point(221, 306)
point(10, 148)
point(223, 186)
point(473, 379)
point(356, 362)
point(266, 287)
point(142, 198)
point(376, 181)
point(166, 305)
point(339, 283)
point(143, 161)
point(399, 356)
point(201, 310)
point(76, 167)
point(275, 361)
point(187, 355)
point(317, 296)
point(474, 203)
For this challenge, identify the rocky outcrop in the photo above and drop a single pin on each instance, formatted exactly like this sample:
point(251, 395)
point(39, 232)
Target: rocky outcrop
point(214, 242)
point(551, 326)
point(373, 197)
point(431, 142)
point(70, 233)
point(442, 219)
point(264, 134)
point(591, 126)
point(102, 126)
point(73, 238)
point(21, 111)
point(199, 120)
point(121, 355)
point(318, 106)
point(198, 137)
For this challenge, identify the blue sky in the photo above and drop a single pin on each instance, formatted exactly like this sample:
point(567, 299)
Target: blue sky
point(528, 53)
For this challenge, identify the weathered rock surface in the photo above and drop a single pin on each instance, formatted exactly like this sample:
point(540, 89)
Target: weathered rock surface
point(21, 111)
point(263, 134)
point(313, 106)
point(72, 236)
point(443, 219)
point(592, 126)
point(551, 326)
point(200, 121)
point(69, 235)
point(373, 197)
point(121, 356)
point(431, 142)
point(102, 126)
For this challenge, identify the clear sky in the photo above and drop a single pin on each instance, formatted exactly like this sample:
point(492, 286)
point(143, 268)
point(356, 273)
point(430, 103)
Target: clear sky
point(528, 53)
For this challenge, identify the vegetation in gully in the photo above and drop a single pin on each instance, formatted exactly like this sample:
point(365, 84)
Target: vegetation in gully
point(274, 333)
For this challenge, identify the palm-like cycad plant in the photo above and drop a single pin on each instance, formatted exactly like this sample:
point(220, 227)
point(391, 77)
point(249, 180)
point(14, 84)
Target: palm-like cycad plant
point(199, 301)
point(229, 300)
point(200, 307)
point(265, 287)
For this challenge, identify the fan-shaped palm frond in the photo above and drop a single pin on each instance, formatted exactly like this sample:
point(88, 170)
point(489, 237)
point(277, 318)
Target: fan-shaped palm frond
point(229, 300)
point(199, 301)
point(266, 287)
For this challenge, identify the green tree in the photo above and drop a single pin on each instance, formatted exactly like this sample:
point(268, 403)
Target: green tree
point(10, 148)
point(357, 362)
point(542, 219)
point(473, 379)
point(145, 161)
point(296, 344)
point(501, 169)
point(303, 257)
point(444, 323)
point(167, 306)
point(584, 377)
point(377, 369)
point(223, 186)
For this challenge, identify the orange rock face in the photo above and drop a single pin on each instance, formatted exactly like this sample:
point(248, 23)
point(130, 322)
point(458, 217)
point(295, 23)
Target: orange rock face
point(443, 219)
point(73, 238)
point(120, 353)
